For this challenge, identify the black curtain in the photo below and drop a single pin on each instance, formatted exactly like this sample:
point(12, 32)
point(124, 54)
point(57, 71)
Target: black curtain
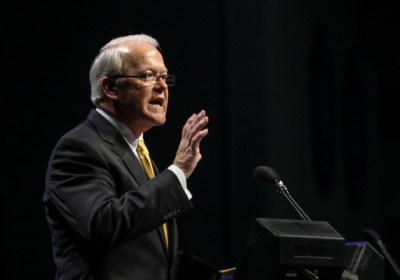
point(308, 88)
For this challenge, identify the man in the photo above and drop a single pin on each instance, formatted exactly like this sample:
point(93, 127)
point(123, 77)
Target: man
point(111, 213)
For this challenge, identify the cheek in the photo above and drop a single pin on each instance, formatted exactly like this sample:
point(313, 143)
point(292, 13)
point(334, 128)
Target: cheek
point(123, 98)
point(166, 98)
point(135, 97)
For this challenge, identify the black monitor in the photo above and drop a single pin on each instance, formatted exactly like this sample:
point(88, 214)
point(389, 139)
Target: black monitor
point(281, 249)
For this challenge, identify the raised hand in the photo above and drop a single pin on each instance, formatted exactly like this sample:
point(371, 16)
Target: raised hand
point(188, 154)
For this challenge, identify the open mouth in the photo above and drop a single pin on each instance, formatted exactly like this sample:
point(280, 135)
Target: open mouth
point(157, 102)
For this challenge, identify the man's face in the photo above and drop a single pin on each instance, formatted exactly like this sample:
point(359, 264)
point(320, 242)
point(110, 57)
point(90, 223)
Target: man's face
point(142, 105)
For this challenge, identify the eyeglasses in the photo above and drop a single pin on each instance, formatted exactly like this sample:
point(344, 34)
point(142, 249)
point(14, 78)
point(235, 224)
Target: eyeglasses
point(150, 78)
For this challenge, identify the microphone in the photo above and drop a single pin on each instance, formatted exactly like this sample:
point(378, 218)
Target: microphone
point(373, 237)
point(266, 175)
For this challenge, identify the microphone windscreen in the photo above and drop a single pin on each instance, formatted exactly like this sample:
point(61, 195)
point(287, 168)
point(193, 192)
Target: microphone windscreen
point(370, 235)
point(265, 174)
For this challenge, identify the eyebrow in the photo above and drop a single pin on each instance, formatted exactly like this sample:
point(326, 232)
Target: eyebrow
point(152, 70)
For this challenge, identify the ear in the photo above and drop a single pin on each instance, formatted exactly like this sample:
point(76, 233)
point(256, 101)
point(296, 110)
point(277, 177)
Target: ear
point(109, 87)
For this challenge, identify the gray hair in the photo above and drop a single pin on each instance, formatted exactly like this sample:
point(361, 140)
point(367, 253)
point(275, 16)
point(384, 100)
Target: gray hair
point(109, 61)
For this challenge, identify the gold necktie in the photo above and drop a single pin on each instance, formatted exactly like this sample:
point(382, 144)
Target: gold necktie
point(148, 167)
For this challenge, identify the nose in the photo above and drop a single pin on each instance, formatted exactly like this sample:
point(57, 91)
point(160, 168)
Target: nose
point(161, 84)
point(160, 87)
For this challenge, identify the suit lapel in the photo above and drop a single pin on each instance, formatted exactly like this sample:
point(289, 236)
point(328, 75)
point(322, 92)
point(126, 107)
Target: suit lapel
point(131, 162)
point(118, 144)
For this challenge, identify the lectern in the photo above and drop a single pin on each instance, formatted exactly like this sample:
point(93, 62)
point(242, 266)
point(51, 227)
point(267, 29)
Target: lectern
point(281, 249)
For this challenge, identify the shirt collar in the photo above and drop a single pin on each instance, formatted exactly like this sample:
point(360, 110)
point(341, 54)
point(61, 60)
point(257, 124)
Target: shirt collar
point(123, 129)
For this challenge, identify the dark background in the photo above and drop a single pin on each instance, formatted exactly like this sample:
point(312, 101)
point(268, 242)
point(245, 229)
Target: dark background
point(309, 88)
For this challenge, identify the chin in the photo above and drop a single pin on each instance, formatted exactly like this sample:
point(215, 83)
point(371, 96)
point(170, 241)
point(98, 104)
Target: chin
point(159, 121)
point(156, 119)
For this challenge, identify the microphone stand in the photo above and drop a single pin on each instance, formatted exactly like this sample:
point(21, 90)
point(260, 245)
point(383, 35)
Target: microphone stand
point(389, 258)
point(283, 190)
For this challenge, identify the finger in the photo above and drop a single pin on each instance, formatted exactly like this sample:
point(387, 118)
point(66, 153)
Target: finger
point(191, 125)
point(199, 125)
point(200, 115)
point(187, 125)
point(195, 143)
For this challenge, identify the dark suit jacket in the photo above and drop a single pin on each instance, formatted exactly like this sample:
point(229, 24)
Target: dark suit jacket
point(104, 215)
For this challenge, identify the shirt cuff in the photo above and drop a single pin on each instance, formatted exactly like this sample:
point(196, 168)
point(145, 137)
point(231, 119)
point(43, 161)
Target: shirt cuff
point(182, 179)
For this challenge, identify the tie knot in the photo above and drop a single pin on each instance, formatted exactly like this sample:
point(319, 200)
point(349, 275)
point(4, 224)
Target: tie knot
point(141, 148)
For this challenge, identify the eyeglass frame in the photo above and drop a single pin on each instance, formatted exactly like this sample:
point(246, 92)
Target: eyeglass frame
point(145, 76)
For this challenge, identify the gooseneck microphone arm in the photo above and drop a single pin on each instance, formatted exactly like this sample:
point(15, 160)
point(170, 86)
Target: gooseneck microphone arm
point(283, 190)
point(266, 175)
